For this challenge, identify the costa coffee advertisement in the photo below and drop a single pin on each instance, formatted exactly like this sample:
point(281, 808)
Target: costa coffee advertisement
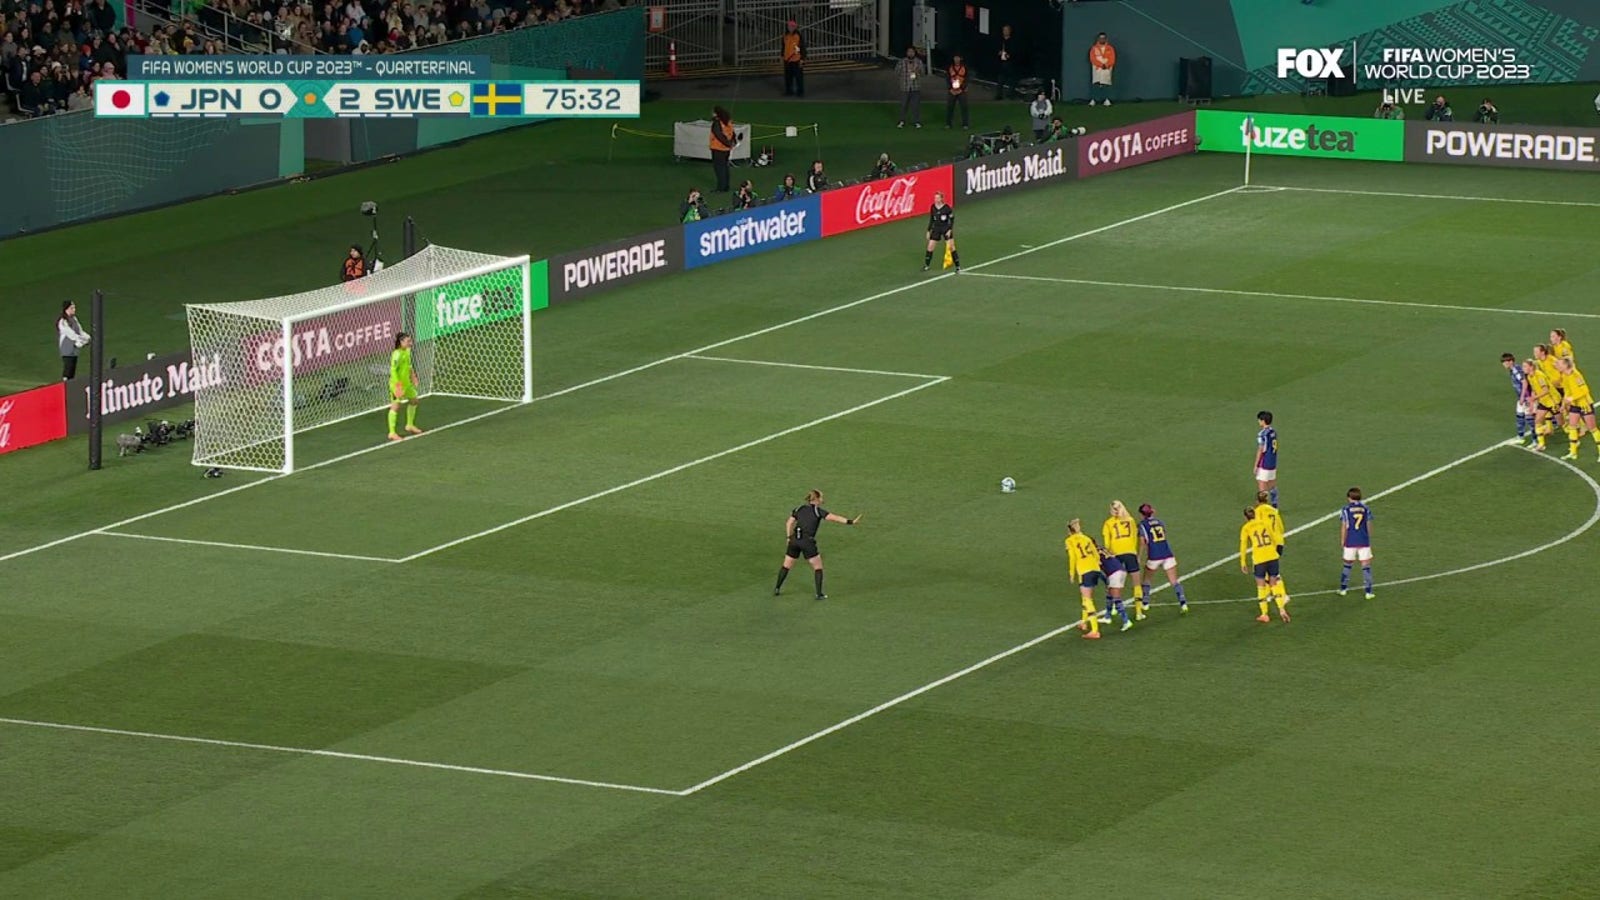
point(1135, 145)
point(33, 417)
point(575, 275)
point(329, 340)
point(886, 200)
point(1517, 146)
point(131, 392)
point(1027, 167)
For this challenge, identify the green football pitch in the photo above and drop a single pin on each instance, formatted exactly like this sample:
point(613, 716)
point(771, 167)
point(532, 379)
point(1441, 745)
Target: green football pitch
point(536, 653)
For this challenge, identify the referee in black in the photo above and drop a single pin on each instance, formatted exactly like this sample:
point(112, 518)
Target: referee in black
point(801, 532)
point(941, 227)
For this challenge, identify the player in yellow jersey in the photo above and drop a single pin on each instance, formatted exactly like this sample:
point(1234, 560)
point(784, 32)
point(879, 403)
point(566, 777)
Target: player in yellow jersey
point(1258, 547)
point(1120, 536)
point(1546, 361)
point(1578, 404)
point(1545, 399)
point(1083, 566)
point(1266, 511)
point(1560, 347)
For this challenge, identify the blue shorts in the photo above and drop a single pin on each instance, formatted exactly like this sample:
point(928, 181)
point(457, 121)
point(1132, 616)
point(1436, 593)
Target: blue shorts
point(1091, 579)
point(1130, 562)
point(1267, 569)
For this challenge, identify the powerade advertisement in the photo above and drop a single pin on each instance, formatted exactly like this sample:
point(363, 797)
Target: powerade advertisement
point(1518, 146)
point(752, 231)
point(1325, 137)
point(614, 264)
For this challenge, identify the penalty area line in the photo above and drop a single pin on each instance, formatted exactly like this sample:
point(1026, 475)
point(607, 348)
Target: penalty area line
point(1073, 626)
point(256, 547)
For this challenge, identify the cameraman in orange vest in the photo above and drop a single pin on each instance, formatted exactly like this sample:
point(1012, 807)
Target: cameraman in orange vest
point(794, 61)
point(723, 139)
point(957, 76)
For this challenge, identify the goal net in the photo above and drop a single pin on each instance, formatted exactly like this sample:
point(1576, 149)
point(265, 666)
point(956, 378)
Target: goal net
point(285, 365)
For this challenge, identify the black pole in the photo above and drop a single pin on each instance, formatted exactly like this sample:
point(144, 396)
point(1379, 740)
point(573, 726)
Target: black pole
point(97, 372)
point(408, 239)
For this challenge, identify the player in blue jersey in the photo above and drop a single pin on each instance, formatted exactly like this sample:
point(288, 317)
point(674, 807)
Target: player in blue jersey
point(1158, 556)
point(1267, 456)
point(1519, 384)
point(1115, 577)
point(1355, 536)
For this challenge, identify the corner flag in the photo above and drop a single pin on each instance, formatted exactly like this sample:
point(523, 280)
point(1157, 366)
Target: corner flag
point(949, 260)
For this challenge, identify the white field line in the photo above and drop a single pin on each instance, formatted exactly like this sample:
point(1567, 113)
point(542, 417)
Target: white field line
point(1533, 202)
point(259, 547)
point(1073, 626)
point(338, 754)
point(672, 471)
point(1594, 518)
point(624, 373)
point(1275, 295)
point(790, 365)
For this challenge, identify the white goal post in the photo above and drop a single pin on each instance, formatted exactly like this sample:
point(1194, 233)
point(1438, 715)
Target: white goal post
point(284, 365)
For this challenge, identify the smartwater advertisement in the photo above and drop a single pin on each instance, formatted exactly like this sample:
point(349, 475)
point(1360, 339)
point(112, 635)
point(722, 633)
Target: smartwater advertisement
point(752, 231)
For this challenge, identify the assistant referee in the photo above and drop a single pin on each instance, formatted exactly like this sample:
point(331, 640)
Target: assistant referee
point(801, 533)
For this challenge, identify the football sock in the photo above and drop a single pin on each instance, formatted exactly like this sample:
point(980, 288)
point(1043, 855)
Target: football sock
point(955, 258)
point(392, 416)
point(1280, 589)
point(1366, 577)
point(1178, 589)
point(1110, 606)
point(1596, 436)
point(782, 574)
point(1274, 495)
point(1572, 441)
point(1344, 578)
point(1282, 601)
point(1519, 425)
point(818, 574)
point(411, 415)
point(1263, 605)
point(1541, 431)
point(1092, 619)
point(927, 258)
point(1122, 610)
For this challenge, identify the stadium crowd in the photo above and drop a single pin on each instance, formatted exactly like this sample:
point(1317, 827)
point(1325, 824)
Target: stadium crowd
point(52, 51)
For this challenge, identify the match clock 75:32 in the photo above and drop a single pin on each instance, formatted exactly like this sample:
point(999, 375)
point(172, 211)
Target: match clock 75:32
point(613, 99)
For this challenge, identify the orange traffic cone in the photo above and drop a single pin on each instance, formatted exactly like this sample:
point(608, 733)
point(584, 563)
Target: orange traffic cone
point(672, 59)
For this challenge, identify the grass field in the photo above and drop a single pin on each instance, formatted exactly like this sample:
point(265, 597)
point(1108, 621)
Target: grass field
point(541, 656)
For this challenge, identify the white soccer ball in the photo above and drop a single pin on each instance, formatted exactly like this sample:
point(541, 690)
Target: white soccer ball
point(1008, 484)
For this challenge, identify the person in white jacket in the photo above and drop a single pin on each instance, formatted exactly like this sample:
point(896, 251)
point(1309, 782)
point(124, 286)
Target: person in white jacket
point(70, 336)
point(1041, 111)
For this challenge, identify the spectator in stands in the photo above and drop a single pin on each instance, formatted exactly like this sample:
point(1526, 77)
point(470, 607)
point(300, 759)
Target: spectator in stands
point(787, 190)
point(31, 99)
point(101, 16)
point(80, 98)
point(70, 337)
point(885, 167)
point(1440, 111)
point(1487, 114)
point(816, 179)
point(1041, 109)
point(1102, 59)
point(909, 68)
point(693, 207)
point(1388, 110)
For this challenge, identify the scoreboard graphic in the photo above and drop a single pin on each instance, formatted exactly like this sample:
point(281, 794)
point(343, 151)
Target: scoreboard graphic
point(316, 87)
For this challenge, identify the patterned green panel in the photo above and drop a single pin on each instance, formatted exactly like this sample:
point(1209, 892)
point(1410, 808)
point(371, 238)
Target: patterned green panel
point(610, 41)
point(1555, 46)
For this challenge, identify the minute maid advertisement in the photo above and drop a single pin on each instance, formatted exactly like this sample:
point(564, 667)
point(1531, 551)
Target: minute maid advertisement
point(475, 302)
point(1336, 137)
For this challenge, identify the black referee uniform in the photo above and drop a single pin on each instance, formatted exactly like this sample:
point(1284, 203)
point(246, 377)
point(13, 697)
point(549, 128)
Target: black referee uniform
point(808, 518)
point(941, 227)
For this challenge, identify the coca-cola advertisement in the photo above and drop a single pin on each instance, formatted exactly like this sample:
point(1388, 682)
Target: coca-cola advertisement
point(885, 200)
point(324, 341)
point(33, 417)
point(1135, 145)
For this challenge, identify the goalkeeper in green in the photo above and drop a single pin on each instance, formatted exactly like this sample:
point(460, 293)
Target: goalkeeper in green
point(402, 386)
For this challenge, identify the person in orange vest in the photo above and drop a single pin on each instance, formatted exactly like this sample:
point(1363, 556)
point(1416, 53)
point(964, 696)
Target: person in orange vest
point(794, 61)
point(355, 265)
point(957, 76)
point(724, 137)
point(1102, 59)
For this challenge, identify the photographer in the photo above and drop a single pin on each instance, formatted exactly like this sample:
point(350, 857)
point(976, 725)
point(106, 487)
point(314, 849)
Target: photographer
point(1388, 110)
point(724, 137)
point(1440, 111)
point(693, 207)
point(355, 265)
point(1007, 141)
point(885, 168)
point(816, 180)
point(787, 190)
point(746, 197)
point(1041, 110)
point(1487, 114)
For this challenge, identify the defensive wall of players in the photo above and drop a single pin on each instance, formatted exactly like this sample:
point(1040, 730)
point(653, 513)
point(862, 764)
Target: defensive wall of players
point(131, 392)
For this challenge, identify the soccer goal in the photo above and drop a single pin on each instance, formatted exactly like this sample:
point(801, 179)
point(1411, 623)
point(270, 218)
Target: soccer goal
point(286, 365)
